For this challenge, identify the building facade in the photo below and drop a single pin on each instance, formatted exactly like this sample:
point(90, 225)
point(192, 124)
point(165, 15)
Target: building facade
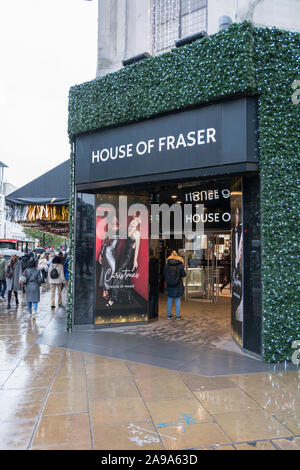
point(8, 229)
point(131, 27)
point(211, 122)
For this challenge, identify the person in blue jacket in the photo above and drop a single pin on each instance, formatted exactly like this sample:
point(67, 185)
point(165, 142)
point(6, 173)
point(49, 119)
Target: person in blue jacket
point(66, 269)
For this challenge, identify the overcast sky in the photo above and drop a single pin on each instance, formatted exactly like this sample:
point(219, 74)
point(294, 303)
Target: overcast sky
point(46, 46)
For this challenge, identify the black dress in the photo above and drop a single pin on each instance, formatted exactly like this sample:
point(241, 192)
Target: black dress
point(123, 287)
point(109, 261)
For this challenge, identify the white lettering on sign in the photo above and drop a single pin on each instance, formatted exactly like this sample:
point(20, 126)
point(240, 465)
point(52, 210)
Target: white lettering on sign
point(204, 218)
point(206, 195)
point(162, 144)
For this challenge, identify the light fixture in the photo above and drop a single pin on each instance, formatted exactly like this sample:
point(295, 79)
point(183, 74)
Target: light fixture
point(224, 22)
point(190, 39)
point(136, 58)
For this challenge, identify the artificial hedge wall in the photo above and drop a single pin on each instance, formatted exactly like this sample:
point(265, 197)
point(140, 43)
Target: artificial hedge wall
point(243, 60)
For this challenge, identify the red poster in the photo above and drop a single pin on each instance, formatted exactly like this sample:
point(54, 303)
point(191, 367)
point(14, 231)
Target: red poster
point(122, 247)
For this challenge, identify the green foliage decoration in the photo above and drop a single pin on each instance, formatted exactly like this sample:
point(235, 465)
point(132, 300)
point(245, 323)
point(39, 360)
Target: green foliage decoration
point(277, 62)
point(69, 306)
point(242, 61)
point(50, 239)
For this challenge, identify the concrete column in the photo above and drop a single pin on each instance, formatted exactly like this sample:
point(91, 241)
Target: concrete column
point(125, 26)
point(124, 30)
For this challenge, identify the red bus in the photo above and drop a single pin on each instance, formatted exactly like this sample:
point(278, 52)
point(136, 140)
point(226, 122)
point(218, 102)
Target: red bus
point(21, 245)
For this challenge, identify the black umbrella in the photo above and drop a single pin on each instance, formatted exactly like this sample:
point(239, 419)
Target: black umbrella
point(39, 250)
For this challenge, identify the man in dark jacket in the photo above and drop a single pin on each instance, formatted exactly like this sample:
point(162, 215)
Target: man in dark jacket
point(173, 274)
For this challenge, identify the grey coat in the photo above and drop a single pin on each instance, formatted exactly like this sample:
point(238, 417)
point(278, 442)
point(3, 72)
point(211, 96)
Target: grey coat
point(32, 288)
point(13, 283)
point(3, 264)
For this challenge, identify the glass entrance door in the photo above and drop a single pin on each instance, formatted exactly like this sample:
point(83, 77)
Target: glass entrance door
point(205, 266)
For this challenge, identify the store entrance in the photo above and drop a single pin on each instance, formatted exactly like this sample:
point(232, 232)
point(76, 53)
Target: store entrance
point(207, 265)
point(208, 269)
point(192, 218)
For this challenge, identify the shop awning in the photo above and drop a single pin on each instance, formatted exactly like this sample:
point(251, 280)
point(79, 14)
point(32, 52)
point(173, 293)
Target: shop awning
point(43, 204)
point(49, 188)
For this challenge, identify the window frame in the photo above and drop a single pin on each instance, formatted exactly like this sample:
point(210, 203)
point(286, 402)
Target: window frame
point(181, 15)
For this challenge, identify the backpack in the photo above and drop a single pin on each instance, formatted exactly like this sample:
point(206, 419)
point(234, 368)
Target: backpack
point(172, 276)
point(54, 273)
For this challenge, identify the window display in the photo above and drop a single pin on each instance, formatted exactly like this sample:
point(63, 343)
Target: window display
point(121, 260)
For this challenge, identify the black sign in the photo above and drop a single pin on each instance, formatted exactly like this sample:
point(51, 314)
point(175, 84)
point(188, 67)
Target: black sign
point(214, 197)
point(214, 135)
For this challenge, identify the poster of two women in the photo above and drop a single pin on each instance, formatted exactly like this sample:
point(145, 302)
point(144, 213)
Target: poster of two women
point(122, 256)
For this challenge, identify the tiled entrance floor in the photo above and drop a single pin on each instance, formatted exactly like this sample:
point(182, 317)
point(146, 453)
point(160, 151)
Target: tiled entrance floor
point(200, 343)
point(60, 398)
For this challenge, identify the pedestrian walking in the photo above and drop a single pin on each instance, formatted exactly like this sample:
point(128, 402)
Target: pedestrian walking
point(56, 280)
point(43, 266)
point(32, 280)
point(173, 274)
point(13, 272)
point(61, 257)
point(66, 268)
point(3, 264)
point(25, 260)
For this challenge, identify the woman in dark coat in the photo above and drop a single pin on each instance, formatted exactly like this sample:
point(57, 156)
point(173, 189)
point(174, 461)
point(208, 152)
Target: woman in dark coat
point(13, 271)
point(173, 274)
point(32, 289)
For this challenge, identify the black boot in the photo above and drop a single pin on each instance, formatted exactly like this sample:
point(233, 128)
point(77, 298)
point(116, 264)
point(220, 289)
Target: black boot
point(16, 297)
point(8, 299)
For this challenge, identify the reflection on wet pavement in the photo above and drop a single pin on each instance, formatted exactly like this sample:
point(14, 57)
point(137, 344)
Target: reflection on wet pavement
point(53, 398)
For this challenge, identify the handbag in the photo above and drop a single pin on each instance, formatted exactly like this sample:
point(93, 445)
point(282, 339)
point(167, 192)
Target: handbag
point(9, 274)
point(23, 279)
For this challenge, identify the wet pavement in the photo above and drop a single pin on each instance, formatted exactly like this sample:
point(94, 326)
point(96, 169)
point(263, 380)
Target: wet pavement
point(200, 343)
point(60, 398)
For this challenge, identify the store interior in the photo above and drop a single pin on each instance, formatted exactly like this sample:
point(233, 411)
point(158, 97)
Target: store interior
point(205, 249)
point(206, 303)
